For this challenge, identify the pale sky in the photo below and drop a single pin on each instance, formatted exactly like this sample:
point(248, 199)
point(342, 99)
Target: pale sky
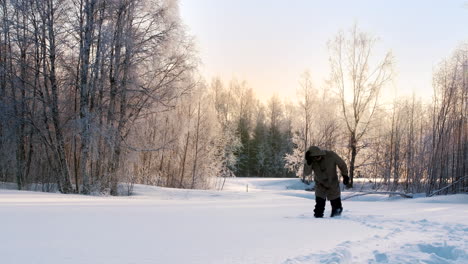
point(270, 43)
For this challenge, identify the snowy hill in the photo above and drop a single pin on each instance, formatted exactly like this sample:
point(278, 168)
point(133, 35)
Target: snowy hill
point(271, 223)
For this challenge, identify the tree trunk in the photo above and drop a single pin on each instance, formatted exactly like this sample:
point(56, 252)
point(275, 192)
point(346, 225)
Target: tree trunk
point(65, 182)
point(84, 93)
point(353, 146)
point(195, 160)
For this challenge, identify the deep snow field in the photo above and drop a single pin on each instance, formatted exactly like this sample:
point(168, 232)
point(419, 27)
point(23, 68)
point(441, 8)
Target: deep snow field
point(271, 223)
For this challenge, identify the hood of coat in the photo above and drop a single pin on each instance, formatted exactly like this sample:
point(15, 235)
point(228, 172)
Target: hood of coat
point(315, 151)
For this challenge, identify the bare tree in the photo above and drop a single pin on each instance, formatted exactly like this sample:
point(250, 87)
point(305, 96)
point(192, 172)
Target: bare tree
point(357, 81)
point(85, 43)
point(306, 104)
point(449, 125)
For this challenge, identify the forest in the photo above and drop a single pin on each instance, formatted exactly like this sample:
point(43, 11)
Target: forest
point(99, 95)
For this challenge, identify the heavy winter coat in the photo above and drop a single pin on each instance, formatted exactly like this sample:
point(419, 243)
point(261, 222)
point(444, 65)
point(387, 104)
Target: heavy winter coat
point(327, 182)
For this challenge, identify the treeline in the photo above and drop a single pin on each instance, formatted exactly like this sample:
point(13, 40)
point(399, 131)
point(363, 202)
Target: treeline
point(100, 94)
point(409, 145)
point(96, 92)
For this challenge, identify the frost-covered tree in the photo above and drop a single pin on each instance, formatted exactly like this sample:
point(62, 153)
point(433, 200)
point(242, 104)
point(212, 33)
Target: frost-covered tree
point(358, 83)
point(315, 122)
point(76, 76)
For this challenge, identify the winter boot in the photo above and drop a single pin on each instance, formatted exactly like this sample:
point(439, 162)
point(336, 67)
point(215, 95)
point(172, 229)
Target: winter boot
point(336, 207)
point(319, 207)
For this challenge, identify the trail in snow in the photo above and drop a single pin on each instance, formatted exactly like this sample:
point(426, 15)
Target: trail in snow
point(405, 241)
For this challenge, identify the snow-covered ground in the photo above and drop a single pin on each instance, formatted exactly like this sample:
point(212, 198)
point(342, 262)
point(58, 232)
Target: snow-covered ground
point(271, 223)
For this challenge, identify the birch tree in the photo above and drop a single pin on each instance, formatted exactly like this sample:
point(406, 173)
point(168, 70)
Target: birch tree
point(359, 81)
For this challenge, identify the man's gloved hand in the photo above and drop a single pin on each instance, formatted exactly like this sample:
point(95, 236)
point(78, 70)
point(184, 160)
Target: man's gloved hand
point(345, 180)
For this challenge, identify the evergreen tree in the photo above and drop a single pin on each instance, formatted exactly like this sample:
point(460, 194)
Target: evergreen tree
point(243, 153)
point(260, 149)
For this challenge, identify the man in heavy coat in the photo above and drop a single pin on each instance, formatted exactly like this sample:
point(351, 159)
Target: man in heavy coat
point(323, 163)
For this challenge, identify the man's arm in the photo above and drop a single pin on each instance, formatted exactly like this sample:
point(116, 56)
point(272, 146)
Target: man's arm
point(343, 168)
point(342, 165)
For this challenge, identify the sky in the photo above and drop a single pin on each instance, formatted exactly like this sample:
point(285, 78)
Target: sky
point(270, 43)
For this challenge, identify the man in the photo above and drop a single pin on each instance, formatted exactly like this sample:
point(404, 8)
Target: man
point(327, 186)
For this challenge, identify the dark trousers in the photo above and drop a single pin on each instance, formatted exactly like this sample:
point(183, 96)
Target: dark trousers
point(337, 208)
point(319, 206)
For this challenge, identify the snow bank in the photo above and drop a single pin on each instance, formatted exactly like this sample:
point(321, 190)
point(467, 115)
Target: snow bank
point(263, 184)
point(452, 198)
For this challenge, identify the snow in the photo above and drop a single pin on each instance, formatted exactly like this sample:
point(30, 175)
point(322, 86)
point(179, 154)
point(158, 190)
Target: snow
point(271, 223)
